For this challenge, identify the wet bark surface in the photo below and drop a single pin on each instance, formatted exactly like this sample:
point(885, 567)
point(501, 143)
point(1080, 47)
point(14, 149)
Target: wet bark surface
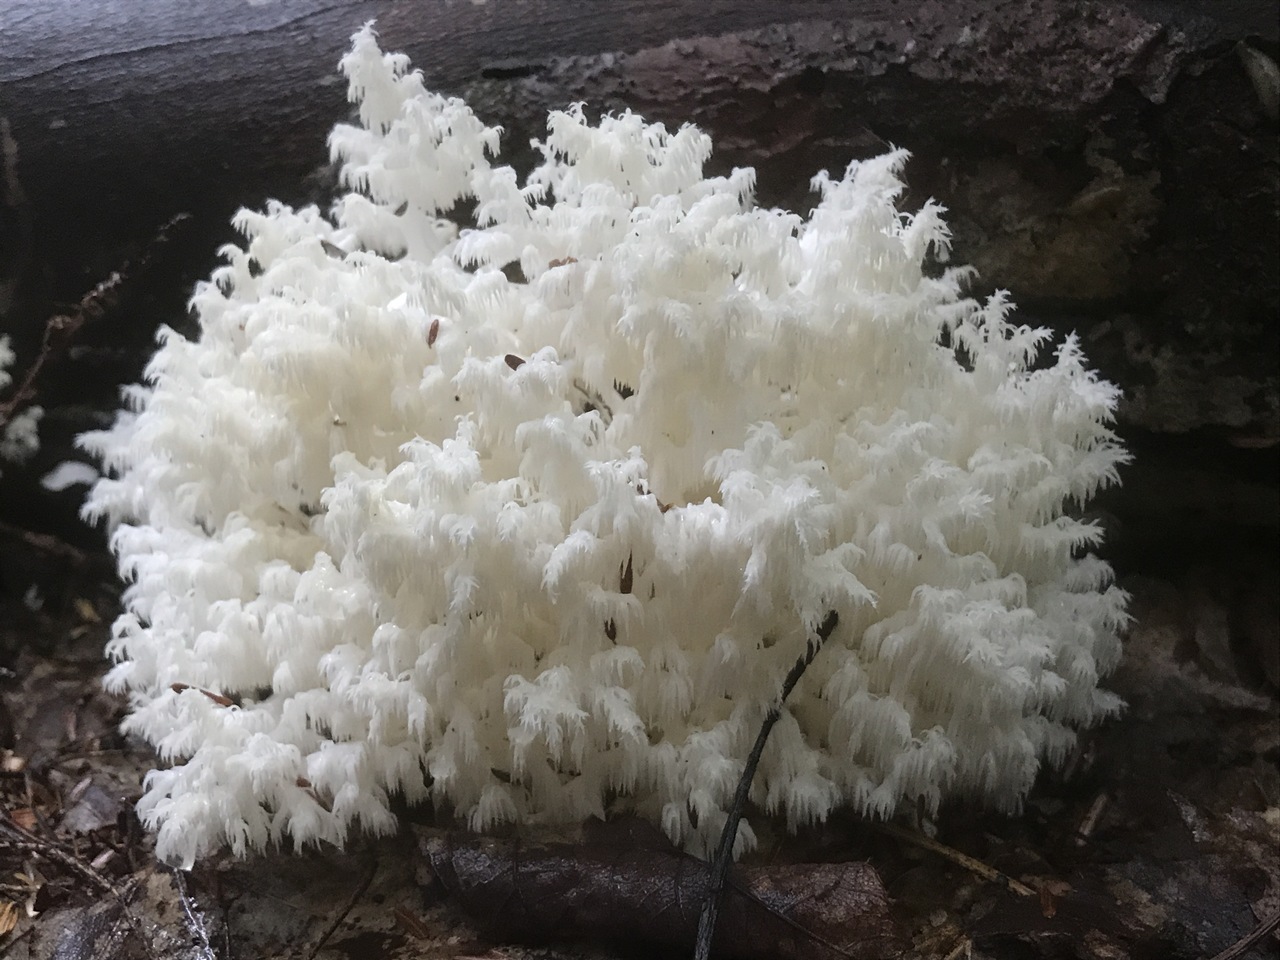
point(1114, 165)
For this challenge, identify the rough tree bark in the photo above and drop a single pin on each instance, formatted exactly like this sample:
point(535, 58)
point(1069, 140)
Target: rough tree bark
point(1114, 165)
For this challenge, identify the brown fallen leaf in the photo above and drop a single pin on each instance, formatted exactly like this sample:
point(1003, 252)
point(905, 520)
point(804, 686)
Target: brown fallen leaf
point(8, 916)
point(625, 882)
point(218, 698)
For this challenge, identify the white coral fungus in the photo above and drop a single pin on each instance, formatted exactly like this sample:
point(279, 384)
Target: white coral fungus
point(532, 517)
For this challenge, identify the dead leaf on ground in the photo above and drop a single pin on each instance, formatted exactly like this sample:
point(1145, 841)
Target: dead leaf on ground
point(90, 808)
point(8, 916)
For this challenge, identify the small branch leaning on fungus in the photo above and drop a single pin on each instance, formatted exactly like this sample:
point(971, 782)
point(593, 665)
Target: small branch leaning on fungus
point(724, 851)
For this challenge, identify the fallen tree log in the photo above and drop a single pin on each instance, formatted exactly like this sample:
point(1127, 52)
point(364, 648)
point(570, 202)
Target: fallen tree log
point(1114, 165)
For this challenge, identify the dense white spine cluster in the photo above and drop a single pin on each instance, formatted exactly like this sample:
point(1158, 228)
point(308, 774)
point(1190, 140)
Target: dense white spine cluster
point(536, 514)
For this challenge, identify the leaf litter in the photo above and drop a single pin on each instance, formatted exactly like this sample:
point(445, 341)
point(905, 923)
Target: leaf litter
point(1159, 839)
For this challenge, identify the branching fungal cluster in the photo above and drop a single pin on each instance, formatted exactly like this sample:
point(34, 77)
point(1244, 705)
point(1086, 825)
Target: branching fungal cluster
point(532, 516)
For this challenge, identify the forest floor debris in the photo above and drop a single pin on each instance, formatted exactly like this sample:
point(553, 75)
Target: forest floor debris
point(1160, 838)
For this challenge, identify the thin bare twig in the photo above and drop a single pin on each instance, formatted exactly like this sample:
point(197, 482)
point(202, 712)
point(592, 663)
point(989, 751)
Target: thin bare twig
point(977, 867)
point(51, 546)
point(1091, 818)
point(356, 894)
point(20, 837)
point(724, 852)
point(38, 846)
point(1244, 944)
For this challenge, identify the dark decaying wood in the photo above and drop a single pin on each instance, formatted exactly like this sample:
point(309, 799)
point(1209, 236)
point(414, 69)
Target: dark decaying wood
point(1097, 157)
point(1092, 154)
point(1114, 164)
point(626, 884)
point(124, 114)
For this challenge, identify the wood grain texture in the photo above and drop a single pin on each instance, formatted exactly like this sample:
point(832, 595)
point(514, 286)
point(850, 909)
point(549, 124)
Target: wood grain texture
point(1110, 163)
point(116, 106)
